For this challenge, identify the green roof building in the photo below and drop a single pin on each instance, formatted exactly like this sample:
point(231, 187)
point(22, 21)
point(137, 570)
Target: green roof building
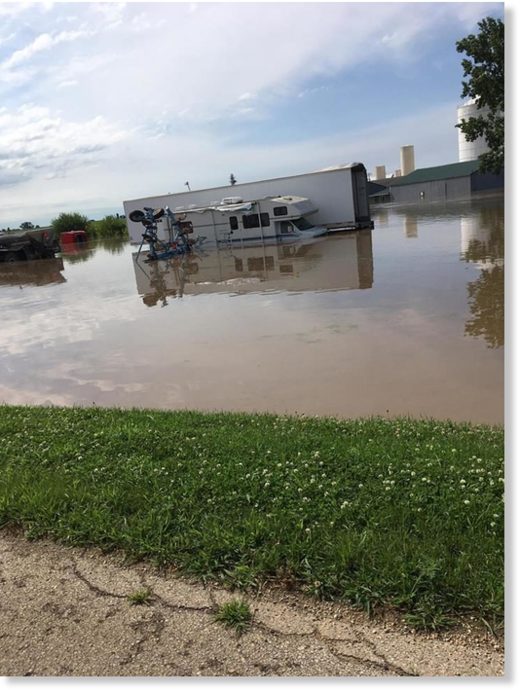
point(435, 184)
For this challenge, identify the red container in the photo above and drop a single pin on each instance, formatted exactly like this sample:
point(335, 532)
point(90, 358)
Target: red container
point(71, 237)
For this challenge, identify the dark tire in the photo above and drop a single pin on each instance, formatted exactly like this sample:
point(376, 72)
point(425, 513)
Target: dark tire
point(11, 257)
point(136, 216)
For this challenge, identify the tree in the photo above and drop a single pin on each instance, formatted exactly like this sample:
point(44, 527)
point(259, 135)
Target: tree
point(69, 222)
point(109, 227)
point(484, 68)
point(232, 179)
point(26, 226)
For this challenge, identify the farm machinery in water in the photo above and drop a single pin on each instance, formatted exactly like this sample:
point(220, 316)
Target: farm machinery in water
point(178, 242)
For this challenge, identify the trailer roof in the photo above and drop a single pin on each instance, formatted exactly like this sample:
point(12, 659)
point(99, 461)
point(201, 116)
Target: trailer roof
point(341, 167)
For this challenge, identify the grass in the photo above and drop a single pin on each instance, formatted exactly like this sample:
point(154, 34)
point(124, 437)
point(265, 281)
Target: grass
point(141, 597)
point(235, 614)
point(377, 512)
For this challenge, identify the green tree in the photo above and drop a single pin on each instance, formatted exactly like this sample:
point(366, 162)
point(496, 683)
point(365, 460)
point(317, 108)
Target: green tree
point(484, 68)
point(69, 222)
point(26, 226)
point(109, 227)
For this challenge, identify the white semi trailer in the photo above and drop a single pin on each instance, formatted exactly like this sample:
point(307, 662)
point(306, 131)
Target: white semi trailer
point(339, 193)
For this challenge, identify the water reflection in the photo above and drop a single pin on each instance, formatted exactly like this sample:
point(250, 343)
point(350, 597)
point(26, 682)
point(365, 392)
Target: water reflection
point(410, 226)
point(482, 244)
point(379, 216)
point(75, 253)
point(285, 328)
point(336, 263)
point(33, 273)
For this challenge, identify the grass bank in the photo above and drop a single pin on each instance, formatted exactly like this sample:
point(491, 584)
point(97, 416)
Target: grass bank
point(375, 511)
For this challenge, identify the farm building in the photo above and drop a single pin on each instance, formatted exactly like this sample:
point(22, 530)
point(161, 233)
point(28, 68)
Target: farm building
point(436, 184)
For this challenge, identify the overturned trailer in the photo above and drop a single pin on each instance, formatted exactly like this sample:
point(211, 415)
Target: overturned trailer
point(338, 194)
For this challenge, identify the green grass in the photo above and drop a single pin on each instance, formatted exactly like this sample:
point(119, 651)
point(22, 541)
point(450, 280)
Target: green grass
point(376, 511)
point(141, 597)
point(235, 614)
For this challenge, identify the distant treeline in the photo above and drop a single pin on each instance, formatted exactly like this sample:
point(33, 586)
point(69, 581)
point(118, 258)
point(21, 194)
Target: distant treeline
point(112, 226)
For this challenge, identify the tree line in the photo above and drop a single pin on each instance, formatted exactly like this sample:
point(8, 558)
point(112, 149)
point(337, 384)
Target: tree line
point(111, 226)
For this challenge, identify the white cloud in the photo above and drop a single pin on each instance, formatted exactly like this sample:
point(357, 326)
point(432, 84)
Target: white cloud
point(129, 94)
point(34, 140)
point(207, 59)
point(40, 43)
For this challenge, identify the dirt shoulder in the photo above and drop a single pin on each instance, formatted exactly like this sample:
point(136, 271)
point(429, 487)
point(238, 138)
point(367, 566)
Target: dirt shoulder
point(65, 612)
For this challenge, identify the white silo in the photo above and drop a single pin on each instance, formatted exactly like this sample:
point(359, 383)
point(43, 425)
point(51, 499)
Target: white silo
point(469, 151)
point(407, 159)
point(380, 172)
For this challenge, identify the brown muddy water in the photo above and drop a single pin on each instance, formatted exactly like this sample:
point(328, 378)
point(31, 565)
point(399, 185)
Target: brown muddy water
point(406, 319)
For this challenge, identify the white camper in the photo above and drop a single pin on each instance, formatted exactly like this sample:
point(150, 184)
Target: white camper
point(338, 196)
point(235, 220)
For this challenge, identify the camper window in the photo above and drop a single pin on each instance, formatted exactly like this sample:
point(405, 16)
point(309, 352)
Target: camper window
point(264, 219)
point(280, 211)
point(251, 221)
point(233, 223)
point(302, 224)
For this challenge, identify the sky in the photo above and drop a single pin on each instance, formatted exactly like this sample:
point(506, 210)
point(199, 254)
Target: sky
point(105, 102)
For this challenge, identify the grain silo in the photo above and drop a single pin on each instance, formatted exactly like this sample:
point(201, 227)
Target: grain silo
point(470, 151)
point(380, 173)
point(407, 159)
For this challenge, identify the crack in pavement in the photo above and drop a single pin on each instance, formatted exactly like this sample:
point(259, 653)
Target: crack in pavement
point(153, 640)
point(330, 641)
point(383, 664)
point(96, 589)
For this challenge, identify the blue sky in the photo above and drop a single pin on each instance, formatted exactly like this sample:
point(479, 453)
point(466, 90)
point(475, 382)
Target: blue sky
point(102, 102)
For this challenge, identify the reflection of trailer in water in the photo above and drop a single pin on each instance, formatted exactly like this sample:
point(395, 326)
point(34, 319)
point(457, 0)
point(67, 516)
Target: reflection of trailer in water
point(335, 263)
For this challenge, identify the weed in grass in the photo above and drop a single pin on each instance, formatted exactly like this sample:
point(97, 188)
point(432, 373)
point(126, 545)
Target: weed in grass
point(141, 597)
point(236, 614)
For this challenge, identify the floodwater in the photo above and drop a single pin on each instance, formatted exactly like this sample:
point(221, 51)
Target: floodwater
point(406, 319)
